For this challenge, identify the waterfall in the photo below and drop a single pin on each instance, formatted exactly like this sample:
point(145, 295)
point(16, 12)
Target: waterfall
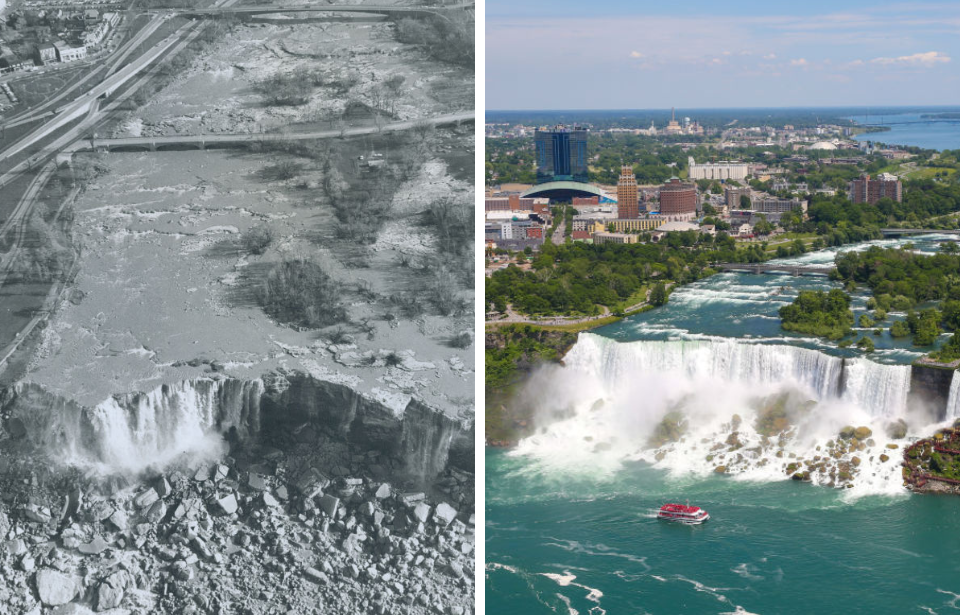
point(761, 411)
point(879, 389)
point(136, 431)
point(953, 401)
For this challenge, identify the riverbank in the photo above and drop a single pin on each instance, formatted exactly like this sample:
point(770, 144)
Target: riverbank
point(932, 465)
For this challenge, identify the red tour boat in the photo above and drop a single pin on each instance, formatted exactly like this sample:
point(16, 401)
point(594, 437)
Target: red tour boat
point(691, 515)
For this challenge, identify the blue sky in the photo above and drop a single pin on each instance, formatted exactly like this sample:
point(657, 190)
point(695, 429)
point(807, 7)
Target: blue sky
point(618, 54)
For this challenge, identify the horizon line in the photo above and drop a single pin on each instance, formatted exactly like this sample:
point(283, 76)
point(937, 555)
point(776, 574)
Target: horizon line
point(583, 109)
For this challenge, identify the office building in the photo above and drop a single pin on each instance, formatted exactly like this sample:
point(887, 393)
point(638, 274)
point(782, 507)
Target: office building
point(628, 200)
point(561, 154)
point(866, 190)
point(678, 199)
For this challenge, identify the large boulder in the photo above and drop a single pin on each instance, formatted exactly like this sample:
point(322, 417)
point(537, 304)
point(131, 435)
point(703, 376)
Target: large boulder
point(847, 432)
point(56, 588)
point(897, 430)
point(862, 433)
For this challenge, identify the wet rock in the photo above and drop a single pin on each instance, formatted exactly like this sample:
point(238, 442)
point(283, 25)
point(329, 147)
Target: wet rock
point(157, 511)
point(256, 481)
point(329, 504)
point(383, 491)
point(220, 472)
point(119, 520)
point(163, 487)
point(312, 483)
point(71, 609)
point(56, 588)
point(421, 512)
point(15, 547)
point(444, 514)
point(108, 596)
point(862, 433)
point(36, 513)
point(147, 498)
point(227, 504)
point(95, 547)
point(896, 430)
point(315, 575)
point(27, 563)
point(847, 432)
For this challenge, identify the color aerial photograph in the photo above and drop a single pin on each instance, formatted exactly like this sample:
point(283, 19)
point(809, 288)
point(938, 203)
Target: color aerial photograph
point(237, 307)
point(722, 321)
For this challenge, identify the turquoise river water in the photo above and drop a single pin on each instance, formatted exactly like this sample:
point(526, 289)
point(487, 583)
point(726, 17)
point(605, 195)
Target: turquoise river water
point(571, 522)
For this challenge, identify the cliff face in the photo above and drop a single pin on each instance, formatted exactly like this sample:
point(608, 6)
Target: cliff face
point(930, 389)
point(137, 431)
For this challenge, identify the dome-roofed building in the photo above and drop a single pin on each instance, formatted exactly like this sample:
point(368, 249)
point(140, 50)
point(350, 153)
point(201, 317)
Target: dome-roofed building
point(824, 145)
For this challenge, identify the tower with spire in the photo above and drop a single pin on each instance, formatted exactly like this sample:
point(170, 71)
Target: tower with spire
point(673, 128)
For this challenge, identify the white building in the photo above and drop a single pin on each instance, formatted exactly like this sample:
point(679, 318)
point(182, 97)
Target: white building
point(66, 53)
point(718, 170)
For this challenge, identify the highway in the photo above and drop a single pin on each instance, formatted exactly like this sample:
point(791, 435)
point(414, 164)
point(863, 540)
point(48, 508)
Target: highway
point(257, 137)
point(323, 8)
point(46, 109)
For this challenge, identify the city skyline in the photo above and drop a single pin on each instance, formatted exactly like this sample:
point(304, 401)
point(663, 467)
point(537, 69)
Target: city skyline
point(619, 55)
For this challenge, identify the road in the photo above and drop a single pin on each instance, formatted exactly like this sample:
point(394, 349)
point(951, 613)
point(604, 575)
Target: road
point(323, 8)
point(215, 139)
point(112, 63)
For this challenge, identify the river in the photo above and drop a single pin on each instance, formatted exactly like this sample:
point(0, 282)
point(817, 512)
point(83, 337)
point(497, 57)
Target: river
point(912, 129)
point(570, 513)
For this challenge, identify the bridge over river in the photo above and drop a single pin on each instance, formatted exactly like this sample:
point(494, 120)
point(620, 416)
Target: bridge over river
point(175, 142)
point(899, 232)
point(777, 269)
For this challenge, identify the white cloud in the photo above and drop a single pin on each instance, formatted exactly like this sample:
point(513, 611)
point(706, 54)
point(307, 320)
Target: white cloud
point(799, 62)
point(636, 54)
point(770, 56)
point(930, 58)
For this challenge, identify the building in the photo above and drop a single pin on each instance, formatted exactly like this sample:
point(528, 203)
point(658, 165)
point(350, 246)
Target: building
point(509, 203)
point(673, 128)
point(678, 199)
point(628, 200)
point(561, 154)
point(590, 201)
point(46, 53)
point(622, 238)
point(733, 197)
point(722, 170)
point(67, 53)
point(775, 205)
point(866, 190)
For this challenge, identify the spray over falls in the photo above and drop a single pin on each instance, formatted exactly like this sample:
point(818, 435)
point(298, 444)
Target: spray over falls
point(758, 411)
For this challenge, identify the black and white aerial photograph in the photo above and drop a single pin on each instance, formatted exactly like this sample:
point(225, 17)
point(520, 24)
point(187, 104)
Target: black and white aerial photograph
point(237, 346)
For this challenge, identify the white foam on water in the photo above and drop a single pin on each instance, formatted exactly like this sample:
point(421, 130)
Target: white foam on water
point(601, 409)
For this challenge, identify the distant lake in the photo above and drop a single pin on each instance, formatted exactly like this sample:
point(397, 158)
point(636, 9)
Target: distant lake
point(912, 129)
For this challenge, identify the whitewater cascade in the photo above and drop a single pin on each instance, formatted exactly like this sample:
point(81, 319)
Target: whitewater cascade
point(881, 389)
point(953, 401)
point(136, 431)
point(192, 420)
point(760, 411)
